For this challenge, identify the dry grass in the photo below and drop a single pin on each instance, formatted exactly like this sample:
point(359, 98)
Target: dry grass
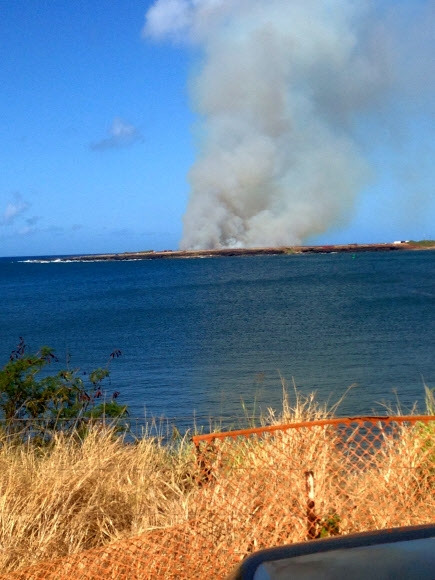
point(78, 495)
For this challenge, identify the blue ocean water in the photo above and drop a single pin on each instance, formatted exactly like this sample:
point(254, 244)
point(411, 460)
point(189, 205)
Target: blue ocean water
point(198, 336)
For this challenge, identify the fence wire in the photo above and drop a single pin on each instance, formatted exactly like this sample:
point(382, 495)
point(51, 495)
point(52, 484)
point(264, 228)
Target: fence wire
point(271, 486)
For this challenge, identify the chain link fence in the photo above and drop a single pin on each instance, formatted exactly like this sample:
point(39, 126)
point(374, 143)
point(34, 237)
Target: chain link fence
point(270, 486)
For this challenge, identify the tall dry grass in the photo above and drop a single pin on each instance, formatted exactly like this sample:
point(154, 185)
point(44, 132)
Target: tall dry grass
point(77, 495)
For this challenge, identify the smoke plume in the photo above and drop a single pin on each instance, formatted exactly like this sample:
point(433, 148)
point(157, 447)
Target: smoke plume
point(278, 91)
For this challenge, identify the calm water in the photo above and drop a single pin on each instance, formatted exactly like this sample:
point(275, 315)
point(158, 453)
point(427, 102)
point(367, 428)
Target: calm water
point(200, 335)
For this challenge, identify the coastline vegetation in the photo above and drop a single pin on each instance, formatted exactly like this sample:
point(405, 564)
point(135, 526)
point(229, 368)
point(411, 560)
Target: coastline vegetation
point(422, 243)
point(64, 491)
point(36, 404)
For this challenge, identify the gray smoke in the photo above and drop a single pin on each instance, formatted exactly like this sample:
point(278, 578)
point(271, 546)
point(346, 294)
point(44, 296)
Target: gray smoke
point(278, 92)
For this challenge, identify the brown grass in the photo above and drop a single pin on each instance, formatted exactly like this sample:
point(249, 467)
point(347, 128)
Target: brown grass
point(99, 492)
point(79, 495)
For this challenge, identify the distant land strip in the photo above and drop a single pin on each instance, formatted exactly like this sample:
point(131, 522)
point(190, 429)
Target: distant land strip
point(228, 252)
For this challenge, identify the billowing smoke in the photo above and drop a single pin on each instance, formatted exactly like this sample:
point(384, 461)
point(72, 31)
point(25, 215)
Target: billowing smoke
point(278, 92)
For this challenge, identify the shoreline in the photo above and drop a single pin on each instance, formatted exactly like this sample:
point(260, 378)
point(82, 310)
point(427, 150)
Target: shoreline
point(231, 252)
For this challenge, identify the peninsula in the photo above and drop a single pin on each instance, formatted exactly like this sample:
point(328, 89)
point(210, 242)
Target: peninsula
point(228, 252)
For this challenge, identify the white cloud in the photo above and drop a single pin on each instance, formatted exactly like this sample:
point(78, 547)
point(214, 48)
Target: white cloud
point(13, 210)
point(168, 17)
point(121, 134)
point(185, 20)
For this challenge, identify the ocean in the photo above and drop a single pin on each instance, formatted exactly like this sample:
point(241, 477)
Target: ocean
point(215, 337)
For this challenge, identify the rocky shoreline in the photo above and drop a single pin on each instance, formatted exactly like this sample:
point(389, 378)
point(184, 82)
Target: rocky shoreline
point(230, 252)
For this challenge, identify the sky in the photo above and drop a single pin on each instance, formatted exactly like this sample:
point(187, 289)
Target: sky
point(129, 126)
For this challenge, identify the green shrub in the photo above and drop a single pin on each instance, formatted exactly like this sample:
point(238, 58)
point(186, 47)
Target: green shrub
point(32, 399)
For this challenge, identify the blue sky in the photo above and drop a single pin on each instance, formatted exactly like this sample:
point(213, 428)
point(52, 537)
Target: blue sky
point(97, 134)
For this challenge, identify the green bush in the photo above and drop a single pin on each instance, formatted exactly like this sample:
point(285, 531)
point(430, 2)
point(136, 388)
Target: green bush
point(31, 398)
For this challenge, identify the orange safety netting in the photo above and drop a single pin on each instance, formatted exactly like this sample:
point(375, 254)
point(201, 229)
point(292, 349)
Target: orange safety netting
point(271, 486)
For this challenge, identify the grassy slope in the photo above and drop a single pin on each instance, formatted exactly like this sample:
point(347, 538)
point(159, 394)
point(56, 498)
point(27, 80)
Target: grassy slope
point(75, 496)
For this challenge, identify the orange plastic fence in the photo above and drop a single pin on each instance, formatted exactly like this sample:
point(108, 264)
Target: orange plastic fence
point(270, 486)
